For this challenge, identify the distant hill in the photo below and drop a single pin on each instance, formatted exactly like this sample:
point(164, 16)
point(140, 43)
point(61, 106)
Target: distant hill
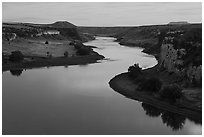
point(58, 24)
point(62, 24)
point(62, 29)
point(178, 23)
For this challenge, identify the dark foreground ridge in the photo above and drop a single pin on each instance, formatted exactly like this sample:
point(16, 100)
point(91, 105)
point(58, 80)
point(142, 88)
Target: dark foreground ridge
point(125, 86)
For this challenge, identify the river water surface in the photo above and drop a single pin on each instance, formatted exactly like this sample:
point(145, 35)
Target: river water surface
point(78, 100)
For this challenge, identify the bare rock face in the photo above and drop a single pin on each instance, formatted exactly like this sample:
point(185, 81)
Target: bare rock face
point(170, 58)
point(194, 73)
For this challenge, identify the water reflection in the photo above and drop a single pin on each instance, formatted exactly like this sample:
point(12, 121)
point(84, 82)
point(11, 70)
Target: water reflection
point(16, 72)
point(173, 120)
point(66, 66)
point(196, 121)
point(151, 110)
point(84, 65)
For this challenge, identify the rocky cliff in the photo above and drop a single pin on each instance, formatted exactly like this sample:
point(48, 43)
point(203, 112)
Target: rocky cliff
point(181, 55)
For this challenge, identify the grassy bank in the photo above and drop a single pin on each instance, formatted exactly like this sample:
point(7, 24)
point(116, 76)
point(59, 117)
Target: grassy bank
point(36, 62)
point(38, 54)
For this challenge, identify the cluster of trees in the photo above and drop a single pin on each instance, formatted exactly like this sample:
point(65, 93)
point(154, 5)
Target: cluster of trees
point(171, 92)
point(134, 71)
point(81, 49)
point(153, 85)
point(16, 56)
point(84, 51)
point(21, 32)
point(172, 120)
point(191, 41)
point(69, 33)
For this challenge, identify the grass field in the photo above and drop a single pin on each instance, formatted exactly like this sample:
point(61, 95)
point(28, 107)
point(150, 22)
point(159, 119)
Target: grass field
point(34, 47)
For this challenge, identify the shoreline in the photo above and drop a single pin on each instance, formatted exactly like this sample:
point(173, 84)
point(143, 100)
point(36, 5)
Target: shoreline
point(122, 84)
point(125, 86)
point(55, 61)
point(145, 48)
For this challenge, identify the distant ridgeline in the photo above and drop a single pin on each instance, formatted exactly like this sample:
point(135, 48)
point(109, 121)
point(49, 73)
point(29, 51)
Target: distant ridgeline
point(181, 53)
point(57, 30)
point(178, 23)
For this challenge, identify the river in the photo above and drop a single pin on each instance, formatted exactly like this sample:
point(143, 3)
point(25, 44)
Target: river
point(78, 100)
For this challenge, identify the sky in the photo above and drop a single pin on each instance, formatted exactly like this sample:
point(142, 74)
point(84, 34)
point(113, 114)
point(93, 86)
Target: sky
point(102, 13)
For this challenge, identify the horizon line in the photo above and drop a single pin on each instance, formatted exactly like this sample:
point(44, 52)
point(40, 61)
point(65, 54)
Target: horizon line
point(102, 25)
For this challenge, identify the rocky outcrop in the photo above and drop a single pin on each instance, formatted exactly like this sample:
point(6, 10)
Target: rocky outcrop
point(172, 60)
point(194, 73)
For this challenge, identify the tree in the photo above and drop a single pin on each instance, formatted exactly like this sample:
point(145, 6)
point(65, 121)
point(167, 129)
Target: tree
point(78, 45)
point(84, 51)
point(66, 54)
point(16, 56)
point(46, 42)
point(134, 71)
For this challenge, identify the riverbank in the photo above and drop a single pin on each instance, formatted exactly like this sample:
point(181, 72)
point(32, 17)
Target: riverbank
point(189, 108)
point(150, 49)
point(36, 62)
point(153, 44)
point(190, 105)
point(38, 54)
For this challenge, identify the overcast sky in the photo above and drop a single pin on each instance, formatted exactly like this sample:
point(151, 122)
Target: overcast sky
point(102, 14)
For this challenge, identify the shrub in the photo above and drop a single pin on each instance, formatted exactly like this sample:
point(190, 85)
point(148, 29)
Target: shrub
point(16, 56)
point(49, 55)
point(66, 54)
point(78, 44)
point(150, 85)
point(134, 71)
point(84, 51)
point(71, 43)
point(171, 92)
